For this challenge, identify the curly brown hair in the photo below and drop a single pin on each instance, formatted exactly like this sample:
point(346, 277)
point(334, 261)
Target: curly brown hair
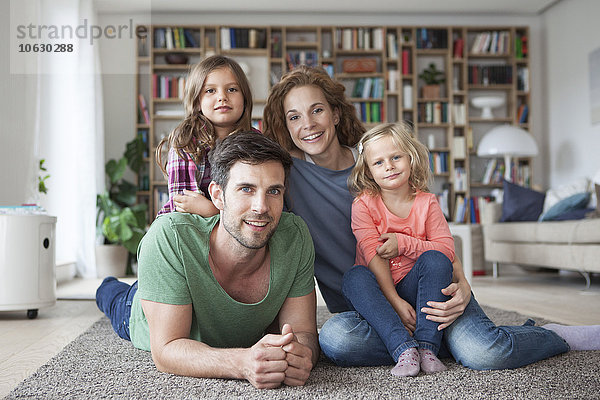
point(349, 128)
point(360, 180)
point(196, 133)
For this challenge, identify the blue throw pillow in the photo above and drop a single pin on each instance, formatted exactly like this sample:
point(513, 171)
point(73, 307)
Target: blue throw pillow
point(571, 203)
point(520, 203)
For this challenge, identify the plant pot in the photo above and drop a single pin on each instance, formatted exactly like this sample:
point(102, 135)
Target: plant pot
point(430, 91)
point(111, 260)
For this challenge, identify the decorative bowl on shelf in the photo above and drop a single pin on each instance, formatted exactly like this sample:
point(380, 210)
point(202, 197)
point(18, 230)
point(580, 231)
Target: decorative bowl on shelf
point(486, 103)
point(176, 58)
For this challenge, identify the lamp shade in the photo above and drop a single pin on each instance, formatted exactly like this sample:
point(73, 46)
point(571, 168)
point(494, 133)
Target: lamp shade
point(507, 140)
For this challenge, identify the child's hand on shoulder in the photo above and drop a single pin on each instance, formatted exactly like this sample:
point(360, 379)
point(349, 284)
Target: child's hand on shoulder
point(389, 249)
point(186, 202)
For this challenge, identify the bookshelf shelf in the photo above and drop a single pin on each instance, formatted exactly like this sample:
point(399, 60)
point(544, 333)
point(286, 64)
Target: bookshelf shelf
point(401, 53)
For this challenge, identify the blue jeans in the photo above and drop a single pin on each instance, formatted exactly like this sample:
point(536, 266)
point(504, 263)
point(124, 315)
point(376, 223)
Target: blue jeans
point(473, 340)
point(431, 273)
point(114, 298)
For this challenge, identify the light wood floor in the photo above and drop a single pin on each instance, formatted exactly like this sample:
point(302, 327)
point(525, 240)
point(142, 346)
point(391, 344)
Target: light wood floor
point(25, 344)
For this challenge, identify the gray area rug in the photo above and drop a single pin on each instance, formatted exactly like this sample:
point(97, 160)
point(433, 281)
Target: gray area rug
point(98, 364)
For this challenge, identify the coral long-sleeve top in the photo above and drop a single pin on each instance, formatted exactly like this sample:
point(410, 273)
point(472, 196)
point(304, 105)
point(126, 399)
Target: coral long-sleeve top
point(425, 228)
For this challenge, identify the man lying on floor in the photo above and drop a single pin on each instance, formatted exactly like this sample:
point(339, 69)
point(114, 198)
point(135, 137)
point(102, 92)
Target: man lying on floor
point(209, 289)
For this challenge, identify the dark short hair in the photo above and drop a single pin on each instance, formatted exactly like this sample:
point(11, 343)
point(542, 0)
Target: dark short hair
point(248, 147)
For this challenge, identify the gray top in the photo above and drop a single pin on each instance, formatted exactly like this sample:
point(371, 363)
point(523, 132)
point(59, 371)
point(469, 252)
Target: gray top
point(321, 197)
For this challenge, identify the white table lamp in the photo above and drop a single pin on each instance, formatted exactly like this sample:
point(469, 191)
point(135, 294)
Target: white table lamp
point(508, 141)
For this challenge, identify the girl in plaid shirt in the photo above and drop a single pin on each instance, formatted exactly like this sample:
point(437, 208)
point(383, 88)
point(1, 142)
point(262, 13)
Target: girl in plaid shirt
point(217, 102)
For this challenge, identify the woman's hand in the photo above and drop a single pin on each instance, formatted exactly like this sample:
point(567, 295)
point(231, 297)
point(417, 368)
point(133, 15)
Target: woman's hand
point(389, 248)
point(448, 311)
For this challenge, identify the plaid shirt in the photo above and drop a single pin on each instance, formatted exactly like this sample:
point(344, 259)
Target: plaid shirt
point(185, 174)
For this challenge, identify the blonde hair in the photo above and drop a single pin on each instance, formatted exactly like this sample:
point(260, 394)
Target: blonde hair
point(196, 132)
point(349, 128)
point(360, 180)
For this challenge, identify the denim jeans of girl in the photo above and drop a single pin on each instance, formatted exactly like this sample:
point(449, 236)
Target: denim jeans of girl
point(473, 340)
point(431, 273)
point(114, 298)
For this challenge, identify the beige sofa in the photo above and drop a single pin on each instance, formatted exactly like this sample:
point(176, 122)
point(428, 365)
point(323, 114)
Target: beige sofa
point(569, 245)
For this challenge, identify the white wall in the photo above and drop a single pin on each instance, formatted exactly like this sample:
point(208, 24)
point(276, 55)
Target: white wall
point(17, 111)
point(573, 145)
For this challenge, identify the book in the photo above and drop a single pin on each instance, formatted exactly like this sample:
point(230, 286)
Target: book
point(189, 37)
point(392, 46)
point(459, 44)
point(169, 38)
point(406, 67)
point(225, 39)
point(143, 109)
point(523, 113)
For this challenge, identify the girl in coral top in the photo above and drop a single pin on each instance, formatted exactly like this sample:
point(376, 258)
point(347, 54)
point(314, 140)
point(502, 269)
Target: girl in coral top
point(404, 249)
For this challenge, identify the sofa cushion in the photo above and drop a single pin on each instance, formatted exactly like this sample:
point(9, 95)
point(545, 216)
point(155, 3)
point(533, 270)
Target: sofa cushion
point(520, 203)
point(585, 231)
point(556, 194)
point(575, 202)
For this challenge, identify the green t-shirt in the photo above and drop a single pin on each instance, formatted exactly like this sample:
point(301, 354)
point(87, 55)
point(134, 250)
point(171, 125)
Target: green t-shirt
point(174, 269)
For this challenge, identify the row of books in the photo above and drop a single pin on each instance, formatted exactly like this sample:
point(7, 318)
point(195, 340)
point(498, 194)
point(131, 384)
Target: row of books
point(460, 179)
point(301, 57)
point(490, 74)
point(143, 133)
point(493, 173)
point(443, 198)
point(520, 173)
point(431, 38)
point(243, 38)
point(257, 124)
point(523, 79)
point(161, 197)
point(491, 42)
point(167, 86)
point(521, 49)
point(359, 38)
point(470, 209)
point(370, 111)
point(368, 88)
point(438, 162)
point(176, 38)
point(433, 112)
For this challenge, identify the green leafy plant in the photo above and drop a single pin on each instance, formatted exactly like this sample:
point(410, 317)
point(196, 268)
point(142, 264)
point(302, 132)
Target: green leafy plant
point(119, 219)
point(432, 76)
point(42, 188)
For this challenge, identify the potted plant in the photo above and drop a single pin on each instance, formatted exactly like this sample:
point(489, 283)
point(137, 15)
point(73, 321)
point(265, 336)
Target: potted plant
point(432, 78)
point(120, 222)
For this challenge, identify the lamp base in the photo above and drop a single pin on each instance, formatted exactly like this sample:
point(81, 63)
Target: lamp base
point(507, 168)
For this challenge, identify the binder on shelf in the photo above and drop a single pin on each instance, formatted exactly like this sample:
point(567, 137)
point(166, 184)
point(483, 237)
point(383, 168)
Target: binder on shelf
point(407, 100)
point(459, 147)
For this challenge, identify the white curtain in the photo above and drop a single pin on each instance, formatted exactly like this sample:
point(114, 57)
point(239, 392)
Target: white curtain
point(70, 134)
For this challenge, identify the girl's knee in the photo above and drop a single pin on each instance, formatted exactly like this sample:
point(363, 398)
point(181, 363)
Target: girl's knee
point(356, 275)
point(436, 261)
